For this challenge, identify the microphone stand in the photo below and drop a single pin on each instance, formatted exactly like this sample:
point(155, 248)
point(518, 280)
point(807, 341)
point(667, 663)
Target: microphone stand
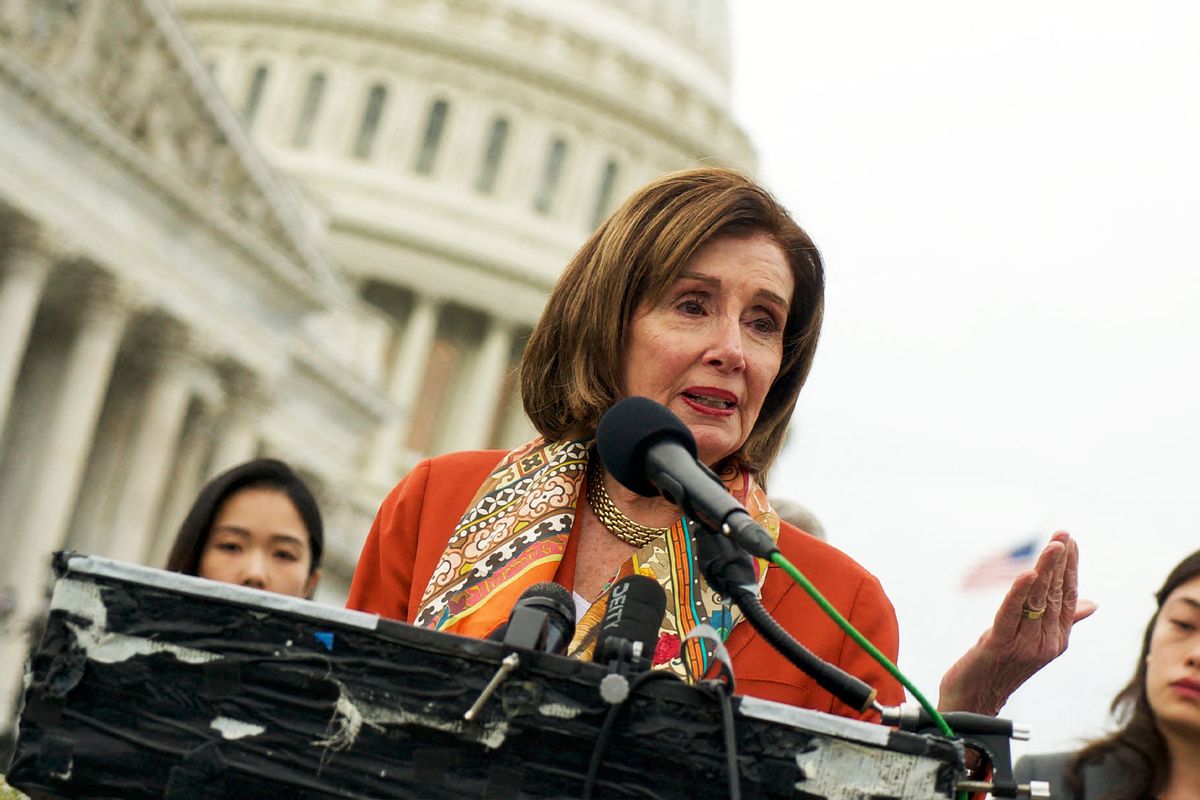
point(527, 629)
point(729, 570)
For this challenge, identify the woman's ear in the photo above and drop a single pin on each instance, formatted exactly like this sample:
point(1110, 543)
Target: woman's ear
point(311, 586)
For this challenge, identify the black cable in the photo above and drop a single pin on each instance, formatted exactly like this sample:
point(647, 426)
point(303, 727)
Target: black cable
point(729, 570)
point(589, 783)
point(850, 690)
point(731, 756)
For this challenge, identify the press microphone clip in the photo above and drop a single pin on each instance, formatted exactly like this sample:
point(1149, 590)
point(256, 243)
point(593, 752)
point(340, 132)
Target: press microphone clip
point(543, 620)
point(507, 665)
point(991, 736)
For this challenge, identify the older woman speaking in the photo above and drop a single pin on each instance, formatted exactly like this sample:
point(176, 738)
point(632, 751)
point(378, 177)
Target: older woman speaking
point(700, 292)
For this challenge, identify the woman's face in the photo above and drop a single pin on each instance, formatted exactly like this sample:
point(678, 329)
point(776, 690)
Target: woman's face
point(711, 347)
point(1173, 663)
point(258, 539)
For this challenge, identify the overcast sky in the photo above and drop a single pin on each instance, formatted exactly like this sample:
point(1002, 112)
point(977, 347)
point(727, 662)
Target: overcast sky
point(1006, 198)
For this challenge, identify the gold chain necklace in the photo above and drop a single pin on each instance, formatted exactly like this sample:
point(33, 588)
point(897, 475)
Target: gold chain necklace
point(612, 518)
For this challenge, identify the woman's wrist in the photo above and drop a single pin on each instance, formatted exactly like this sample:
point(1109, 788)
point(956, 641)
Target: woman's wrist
point(952, 699)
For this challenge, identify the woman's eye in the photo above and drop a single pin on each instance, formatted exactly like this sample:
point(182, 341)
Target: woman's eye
point(286, 555)
point(1183, 625)
point(228, 547)
point(765, 325)
point(691, 307)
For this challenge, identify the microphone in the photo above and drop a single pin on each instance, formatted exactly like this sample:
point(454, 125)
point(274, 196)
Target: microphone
point(629, 628)
point(650, 451)
point(543, 618)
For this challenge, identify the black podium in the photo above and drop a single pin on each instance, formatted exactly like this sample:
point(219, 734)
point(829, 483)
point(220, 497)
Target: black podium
point(149, 684)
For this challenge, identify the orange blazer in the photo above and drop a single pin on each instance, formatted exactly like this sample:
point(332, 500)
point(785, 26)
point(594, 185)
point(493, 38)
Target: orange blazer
point(415, 522)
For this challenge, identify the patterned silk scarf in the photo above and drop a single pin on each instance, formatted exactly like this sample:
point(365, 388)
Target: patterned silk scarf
point(514, 535)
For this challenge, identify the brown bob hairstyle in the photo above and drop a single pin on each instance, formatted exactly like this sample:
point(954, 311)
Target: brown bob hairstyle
point(571, 372)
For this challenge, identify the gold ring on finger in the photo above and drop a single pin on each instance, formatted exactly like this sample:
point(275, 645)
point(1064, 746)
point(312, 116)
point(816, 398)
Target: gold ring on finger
point(1033, 613)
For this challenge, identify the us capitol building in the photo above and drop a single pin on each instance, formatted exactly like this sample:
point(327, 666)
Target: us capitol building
point(319, 230)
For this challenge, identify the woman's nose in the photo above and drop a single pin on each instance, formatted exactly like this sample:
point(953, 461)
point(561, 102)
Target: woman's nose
point(1192, 655)
point(254, 572)
point(725, 350)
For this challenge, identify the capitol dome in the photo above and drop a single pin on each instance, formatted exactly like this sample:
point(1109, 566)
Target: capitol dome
point(460, 151)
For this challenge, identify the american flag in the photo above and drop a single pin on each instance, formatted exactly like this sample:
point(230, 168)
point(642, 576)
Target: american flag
point(1001, 567)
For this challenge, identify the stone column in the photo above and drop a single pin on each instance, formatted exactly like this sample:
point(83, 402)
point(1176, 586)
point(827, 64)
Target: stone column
point(404, 385)
point(276, 113)
point(186, 481)
point(83, 55)
point(238, 433)
point(76, 408)
point(483, 391)
point(55, 487)
point(155, 440)
point(21, 285)
point(342, 111)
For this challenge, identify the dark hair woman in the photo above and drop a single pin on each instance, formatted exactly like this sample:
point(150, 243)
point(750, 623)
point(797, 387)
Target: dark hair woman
point(257, 525)
point(1155, 753)
point(702, 293)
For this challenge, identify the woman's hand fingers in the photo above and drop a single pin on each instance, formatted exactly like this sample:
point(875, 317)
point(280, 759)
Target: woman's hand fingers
point(1055, 590)
point(1018, 644)
point(1008, 616)
point(1083, 610)
point(1048, 568)
point(1070, 590)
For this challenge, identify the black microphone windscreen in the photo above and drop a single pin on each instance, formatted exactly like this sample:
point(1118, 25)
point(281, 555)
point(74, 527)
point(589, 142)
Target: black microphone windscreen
point(554, 600)
point(627, 430)
point(557, 608)
point(636, 605)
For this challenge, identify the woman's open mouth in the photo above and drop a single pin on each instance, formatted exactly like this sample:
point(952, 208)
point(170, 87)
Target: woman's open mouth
point(708, 400)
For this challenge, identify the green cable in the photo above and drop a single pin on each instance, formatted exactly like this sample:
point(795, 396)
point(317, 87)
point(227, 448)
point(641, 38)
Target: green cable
point(798, 576)
point(778, 559)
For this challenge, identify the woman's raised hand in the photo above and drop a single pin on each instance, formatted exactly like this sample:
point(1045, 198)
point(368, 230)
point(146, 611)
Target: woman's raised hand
point(1031, 629)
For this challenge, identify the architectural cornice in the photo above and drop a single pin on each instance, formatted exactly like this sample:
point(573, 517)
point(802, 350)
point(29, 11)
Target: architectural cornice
point(124, 77)
point(496, 256)
point(363, 403)
point(631, 98)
